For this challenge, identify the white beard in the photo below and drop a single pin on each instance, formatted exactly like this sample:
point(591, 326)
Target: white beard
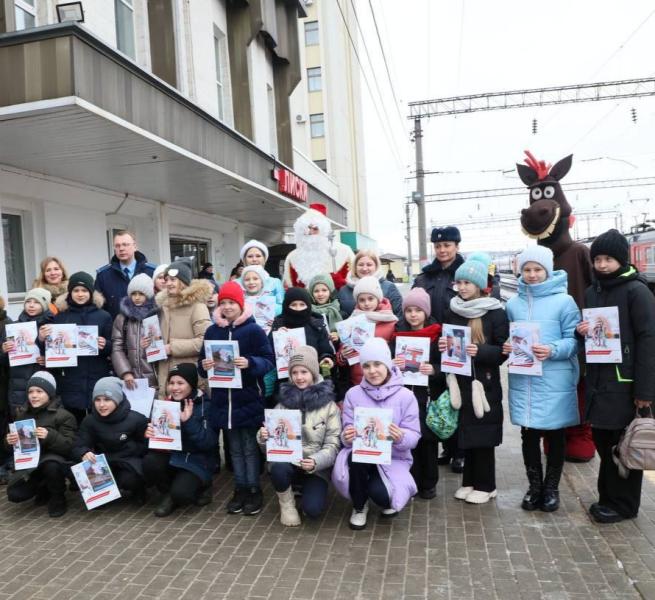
point(312, 257)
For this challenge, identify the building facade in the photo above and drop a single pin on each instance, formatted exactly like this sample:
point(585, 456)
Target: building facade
point(166, 117)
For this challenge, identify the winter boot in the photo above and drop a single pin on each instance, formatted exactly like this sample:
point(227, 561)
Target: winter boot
point(550, 501)
point(165, 507)
point(532, 498)
point(57, 506)
point(254, 501)
point(289, 516)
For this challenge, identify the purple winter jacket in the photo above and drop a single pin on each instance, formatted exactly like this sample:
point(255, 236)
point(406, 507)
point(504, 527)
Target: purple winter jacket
point(396, 476)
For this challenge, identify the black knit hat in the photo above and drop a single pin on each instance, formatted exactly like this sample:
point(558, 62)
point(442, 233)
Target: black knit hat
point(81, 279)
point(450, 233)
point(612, 243)
point(186, 371)
point(293, 294)
point(181, 270)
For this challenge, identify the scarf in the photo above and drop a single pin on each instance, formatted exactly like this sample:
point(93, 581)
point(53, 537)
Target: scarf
point(431, 331)
point(332, 312)
point(382, 314)
point(472, 309)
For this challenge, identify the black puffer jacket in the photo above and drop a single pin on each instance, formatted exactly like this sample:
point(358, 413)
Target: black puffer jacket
point(19, 376)
point(610, 388)
point(119, 436)
point(438, 283)
point(487, 431)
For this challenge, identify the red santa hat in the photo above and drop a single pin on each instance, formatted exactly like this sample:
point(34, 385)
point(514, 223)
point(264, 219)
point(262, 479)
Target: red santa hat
point(317, 206)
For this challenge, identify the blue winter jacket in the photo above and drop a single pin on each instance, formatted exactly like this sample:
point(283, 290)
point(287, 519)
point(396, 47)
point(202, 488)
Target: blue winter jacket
point(234, 408)
point(199, 442)
point(549, 401)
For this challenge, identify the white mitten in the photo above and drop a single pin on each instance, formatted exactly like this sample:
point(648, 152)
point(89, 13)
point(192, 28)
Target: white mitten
point(479, 399)
point(453, 389)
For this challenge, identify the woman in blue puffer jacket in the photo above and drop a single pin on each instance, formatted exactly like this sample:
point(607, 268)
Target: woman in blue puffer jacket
point(545, 405)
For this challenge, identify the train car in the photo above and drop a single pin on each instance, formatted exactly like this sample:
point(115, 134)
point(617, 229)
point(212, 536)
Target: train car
point(642, 254)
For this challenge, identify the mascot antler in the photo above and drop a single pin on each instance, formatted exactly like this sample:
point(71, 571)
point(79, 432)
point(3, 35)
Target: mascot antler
point(541, 167)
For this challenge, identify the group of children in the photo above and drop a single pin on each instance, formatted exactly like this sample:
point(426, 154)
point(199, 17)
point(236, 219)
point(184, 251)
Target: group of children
point(543, 406)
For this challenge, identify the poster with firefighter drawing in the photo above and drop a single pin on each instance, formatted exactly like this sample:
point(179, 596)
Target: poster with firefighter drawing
point(23, 335)
point(354, 333)
point(284, 443)
point(61, 346)
point(414, 351)
point(372, 443)
point(603, 340)
point(166, 423)
point(285, 343)
point(523, 335)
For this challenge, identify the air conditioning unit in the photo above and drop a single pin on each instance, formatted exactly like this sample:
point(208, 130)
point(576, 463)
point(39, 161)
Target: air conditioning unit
point(300, 119)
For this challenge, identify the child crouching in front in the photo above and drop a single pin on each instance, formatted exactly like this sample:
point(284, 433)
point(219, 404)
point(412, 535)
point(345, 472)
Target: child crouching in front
point(321, 427)
point(389, 486)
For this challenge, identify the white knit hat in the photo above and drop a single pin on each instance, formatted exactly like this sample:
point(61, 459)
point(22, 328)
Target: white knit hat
point(253, 244)
point(376, 349)
point(159, 271)
point(258, 269)
point(539, 254)
point(40, 295)
point(141, 283)
point(368, 285)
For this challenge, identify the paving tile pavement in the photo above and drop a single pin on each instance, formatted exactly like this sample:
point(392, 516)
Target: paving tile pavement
point(441, 549)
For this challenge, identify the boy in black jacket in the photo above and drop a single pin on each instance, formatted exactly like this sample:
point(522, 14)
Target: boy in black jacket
point(615, 391)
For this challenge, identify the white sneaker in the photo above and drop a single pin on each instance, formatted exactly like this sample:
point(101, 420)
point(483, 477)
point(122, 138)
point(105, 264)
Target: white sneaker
point(463, 492)
point(478, 497)
point(358, 518)
point(388, 513)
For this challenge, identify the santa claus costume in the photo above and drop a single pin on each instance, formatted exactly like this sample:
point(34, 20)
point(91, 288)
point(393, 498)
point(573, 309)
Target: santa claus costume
point(316, 251)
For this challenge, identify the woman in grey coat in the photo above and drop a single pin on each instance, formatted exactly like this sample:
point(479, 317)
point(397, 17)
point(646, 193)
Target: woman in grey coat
point(321, 431)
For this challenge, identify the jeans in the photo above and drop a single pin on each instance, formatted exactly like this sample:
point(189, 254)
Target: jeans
point(314, 488)
point(245, 456)
point(183, 486)
point(531, 440)
point(365, 483)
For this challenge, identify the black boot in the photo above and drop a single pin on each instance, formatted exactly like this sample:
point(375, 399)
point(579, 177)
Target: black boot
point(57, 506)
point(550, 500)
point(533, 497)
point(165, 507)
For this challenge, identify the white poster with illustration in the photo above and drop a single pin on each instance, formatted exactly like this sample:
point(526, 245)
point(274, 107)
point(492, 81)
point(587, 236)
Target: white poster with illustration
point(141, 396)
point(87, 340)
point(28, 449)
point(415, 350)
point(372, 443)
point(603, 340)
point(24, 336)
point(522, 336)
point(263, 311)
point(454, 359)
point(284, 443)
point(224, 373)
point(286, 342)
point(96, 482)
point(61, 346)
point(167, 424)
point(354, 333)
point(152, 330)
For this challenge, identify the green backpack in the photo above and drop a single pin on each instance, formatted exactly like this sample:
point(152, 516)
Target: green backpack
point(441, 417)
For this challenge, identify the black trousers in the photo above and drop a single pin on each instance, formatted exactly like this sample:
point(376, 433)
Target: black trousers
point(365, 482)
point(425, 469)
point(451, 447)
point(183, 486)
point(126, 477)
point(78, 413)
point(480, 469)
point(622, 495)
point(531, 446)
point(49, 477)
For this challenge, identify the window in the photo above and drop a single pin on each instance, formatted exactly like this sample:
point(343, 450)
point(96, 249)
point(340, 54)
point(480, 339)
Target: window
point(321, 164)
point(317, 125)
point(25, 14)
point(125, 26)
point(192, 251)
point(314, 81)
point(220, 57)
point(311, 33)
point(12, 233)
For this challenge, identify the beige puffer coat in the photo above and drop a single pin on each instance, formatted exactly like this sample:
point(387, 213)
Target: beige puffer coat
point(183, 319)
point(321, 424)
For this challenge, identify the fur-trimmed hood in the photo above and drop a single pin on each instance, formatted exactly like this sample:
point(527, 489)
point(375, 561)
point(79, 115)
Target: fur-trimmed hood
point(312, 398)
point(131, 311)
point(62, 301)
point(55, 290)
point(199, 290)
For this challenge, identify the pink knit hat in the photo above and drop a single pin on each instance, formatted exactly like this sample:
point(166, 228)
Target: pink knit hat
point(419, 298)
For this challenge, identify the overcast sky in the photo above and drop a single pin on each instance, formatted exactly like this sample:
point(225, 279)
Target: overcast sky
point(438, 49)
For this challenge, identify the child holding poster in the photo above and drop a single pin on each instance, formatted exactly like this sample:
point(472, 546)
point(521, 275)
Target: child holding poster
point(184, 476)
point(325, 302)
point(240, 412)
point(370, 303)
point(417, 322)
point(321, 427)
point(389, 486)
point(614, 392)
point(55, 432)
point(480, 425)
point(253, 280)
point(82, 306)
point(36, 309)
point(544, 405)
point(112, 428)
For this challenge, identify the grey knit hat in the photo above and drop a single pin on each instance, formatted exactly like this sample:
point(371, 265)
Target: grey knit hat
point(181, 270)
point(306, 356)
point(141, 283)
point(45, 381)
point(43, 297)
point(110, 387)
